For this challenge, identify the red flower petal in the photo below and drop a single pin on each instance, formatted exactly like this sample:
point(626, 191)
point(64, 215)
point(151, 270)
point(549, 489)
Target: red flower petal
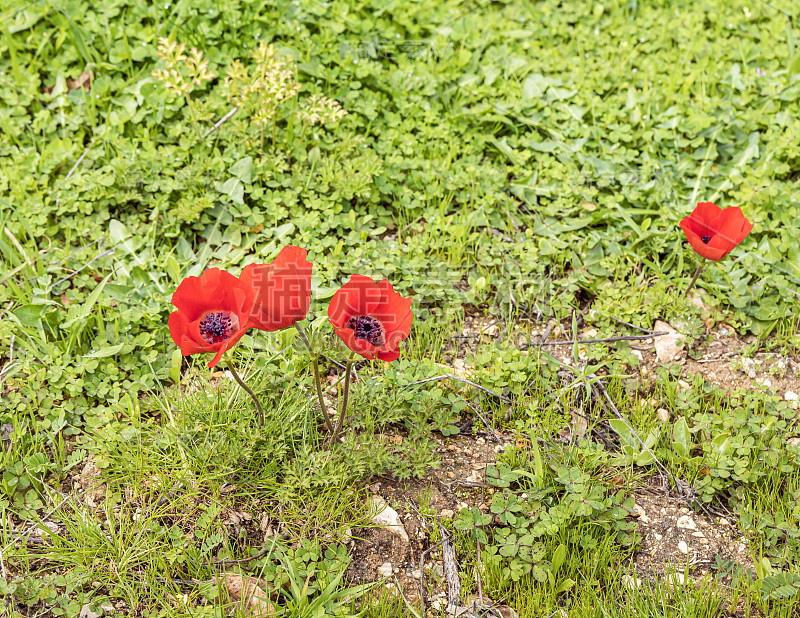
point(733, 226)
point(227, 345)
point(701, 248)
point(177, 326)
point(359, 346)
point(359, 296)
point(393, 310)
point(189, 346)
point(282, 289)
point(388, 356)
point(188, 298)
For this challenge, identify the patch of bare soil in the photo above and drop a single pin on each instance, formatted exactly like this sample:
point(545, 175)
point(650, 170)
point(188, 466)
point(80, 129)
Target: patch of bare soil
point(675, 537)
point(459, 483)
point(718, 358)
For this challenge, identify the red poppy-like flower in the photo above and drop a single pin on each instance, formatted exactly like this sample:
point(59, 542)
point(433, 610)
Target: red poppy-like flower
point(371, 318)
point(714, 232)
point(282, 289)
point(213, 313)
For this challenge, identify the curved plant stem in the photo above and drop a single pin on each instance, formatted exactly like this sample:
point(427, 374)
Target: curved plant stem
point(249, 391)
point(190, 104)
point(696, 275)
point(317, 381)
point(304, 337)
point(348, 365)
point(328, 421)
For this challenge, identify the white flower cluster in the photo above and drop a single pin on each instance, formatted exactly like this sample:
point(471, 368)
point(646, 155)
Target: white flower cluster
point(320, 109)
point(263, 86)
point(182, 71)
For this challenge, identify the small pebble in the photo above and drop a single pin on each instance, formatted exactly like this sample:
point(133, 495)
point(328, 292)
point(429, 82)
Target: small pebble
point(639, 512)
point(631, 582)
point(683, 547)
point(385, 570)
point(679, 577)
point(749, 367)
point(686, 522)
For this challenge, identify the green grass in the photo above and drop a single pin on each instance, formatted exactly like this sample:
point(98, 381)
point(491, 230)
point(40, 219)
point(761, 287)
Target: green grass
point(512, 161)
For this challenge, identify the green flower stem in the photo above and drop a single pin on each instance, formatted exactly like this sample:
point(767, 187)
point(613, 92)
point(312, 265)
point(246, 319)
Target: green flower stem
point(249, 391)
point(190, 104)
point(317, 381)
point(696, 275)
point(348, 366)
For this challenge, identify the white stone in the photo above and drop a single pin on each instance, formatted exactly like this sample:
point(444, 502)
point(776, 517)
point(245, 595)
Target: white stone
point(686, 522)
point(697, 301)
point(640, 512)
point(790, 396)
point(663, 415)
point(749, 367)
point(447, 513)
point(386, 517)
point(683, 547)
point(86, 612)
point(669, 347)
point(677, 578)
point(631, 582)
point(385, 570)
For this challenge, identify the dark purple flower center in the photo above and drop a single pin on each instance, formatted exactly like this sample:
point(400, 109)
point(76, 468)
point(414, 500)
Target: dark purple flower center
point(705, 239)
point(217, 326)
point(367, 328)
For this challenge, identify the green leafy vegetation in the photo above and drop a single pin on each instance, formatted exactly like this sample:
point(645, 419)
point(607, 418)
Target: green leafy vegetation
point(523, 163)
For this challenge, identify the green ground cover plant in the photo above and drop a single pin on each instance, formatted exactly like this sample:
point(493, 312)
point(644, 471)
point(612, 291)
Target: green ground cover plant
point(525, 162)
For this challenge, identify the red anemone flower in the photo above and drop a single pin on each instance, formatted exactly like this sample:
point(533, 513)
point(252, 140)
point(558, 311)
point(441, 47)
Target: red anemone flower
point(282, 289)
point(213, 313)
point(714, 232)
point(371, 318)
